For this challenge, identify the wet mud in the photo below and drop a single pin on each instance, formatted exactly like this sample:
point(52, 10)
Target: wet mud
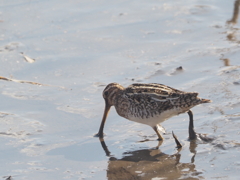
point(56, 57)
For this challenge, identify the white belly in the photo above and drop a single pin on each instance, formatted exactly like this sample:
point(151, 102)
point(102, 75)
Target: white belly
point(157, 119)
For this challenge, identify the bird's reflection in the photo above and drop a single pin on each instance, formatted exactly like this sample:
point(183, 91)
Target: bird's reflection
point(148, 164)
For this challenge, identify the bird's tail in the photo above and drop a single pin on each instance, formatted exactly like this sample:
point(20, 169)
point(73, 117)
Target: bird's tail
point(200, 100)
point(205, 101)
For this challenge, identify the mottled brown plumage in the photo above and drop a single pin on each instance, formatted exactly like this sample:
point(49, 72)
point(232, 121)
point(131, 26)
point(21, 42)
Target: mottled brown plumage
point(148, 104)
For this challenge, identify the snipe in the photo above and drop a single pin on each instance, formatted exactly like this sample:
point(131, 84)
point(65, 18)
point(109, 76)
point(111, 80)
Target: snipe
point(149, 104)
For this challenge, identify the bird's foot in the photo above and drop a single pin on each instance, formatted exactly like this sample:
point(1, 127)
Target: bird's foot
point(206, 138)
point(99, 135)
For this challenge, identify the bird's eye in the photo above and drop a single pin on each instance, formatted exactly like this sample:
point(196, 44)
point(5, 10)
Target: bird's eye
point(106, 93)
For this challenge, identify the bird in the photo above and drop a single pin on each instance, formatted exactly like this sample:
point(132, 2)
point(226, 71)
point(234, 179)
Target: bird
point(148, 103)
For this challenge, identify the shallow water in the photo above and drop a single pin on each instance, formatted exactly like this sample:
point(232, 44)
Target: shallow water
point(79, 47)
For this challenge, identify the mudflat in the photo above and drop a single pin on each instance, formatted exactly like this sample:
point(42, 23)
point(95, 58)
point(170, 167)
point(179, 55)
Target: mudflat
point(56, 57)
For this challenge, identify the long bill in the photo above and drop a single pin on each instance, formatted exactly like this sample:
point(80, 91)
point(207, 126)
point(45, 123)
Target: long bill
point(106, 110)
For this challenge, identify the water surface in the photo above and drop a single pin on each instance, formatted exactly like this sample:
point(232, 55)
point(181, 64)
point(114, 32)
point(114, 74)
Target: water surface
point(51, 104)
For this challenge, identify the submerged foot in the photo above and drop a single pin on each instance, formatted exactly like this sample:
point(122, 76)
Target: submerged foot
point(99, 135)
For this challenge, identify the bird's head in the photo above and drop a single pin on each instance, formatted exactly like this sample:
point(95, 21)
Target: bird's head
point(109, 94)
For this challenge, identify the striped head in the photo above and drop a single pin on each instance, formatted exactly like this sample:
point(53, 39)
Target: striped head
point(110, 92)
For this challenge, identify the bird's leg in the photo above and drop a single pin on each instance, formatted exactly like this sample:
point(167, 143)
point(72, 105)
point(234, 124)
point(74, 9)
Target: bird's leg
point(176, 140)
point(191, 131)
point(155, 128)
point(192, 134)
point(159, 144)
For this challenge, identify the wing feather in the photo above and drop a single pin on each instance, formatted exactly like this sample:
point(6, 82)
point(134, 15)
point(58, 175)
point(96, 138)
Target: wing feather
point(153, 91)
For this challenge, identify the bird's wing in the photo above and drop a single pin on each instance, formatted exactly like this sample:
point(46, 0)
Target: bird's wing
point(156, 92)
